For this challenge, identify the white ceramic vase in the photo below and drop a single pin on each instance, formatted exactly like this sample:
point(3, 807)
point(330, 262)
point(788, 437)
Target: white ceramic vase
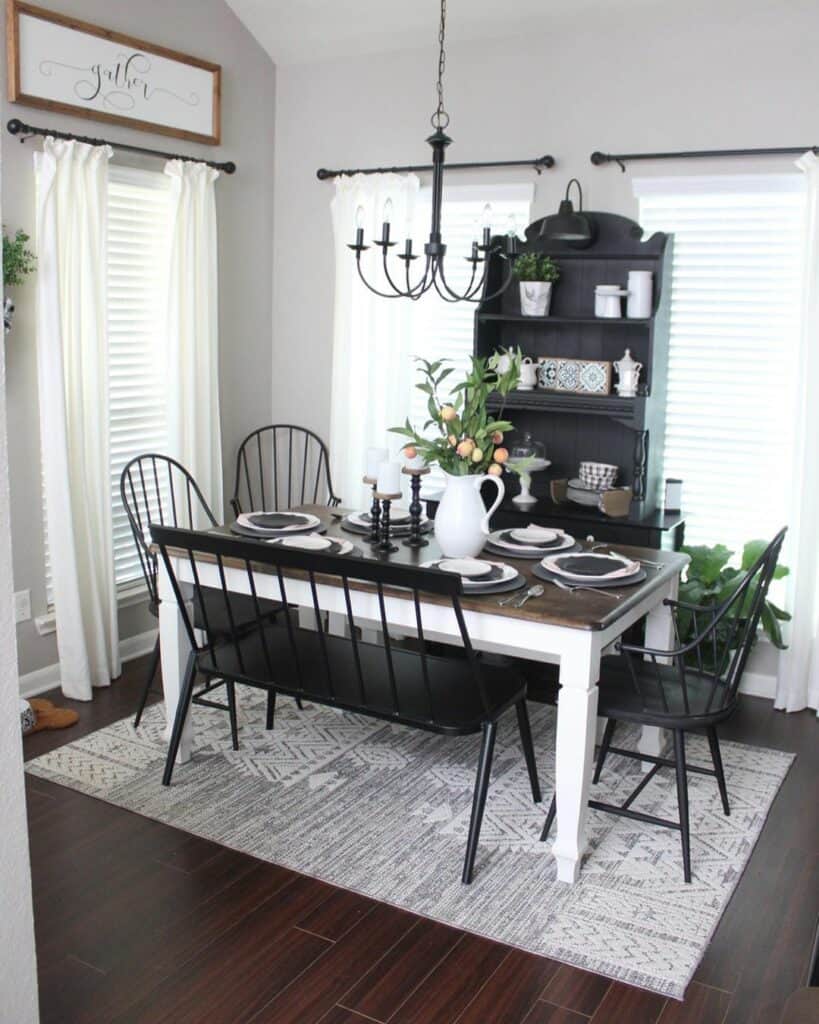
point(535, 297)
point(462, 522)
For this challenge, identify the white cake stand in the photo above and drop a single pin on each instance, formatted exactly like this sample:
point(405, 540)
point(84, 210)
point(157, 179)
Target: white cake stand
point(526, 499)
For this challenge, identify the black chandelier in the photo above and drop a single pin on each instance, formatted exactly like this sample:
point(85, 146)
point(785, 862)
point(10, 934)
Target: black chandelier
point(435, 249)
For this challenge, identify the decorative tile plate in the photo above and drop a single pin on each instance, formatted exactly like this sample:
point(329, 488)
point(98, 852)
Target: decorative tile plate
point(589, 376)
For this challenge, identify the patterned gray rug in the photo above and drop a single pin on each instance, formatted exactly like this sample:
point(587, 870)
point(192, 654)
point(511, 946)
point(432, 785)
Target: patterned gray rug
point(385, 810)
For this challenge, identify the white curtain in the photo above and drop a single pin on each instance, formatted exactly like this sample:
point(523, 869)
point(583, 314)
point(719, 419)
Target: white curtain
point(798, 682)
point(372, 368)
point(194, 430)
point(72, 374)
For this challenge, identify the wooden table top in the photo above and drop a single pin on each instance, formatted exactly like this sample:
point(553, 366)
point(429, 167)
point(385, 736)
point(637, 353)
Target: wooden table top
point(581, 609)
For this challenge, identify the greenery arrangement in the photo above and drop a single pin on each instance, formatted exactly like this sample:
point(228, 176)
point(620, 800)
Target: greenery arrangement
point(18, 260)
point(469, 439)
point(533, 266)
point(710, 580)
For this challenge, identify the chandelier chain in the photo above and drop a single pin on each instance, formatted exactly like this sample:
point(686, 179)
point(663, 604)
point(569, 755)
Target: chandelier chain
point(440, 119)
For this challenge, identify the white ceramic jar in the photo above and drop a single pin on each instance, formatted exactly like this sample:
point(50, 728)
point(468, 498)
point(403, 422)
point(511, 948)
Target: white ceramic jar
point(607, 301)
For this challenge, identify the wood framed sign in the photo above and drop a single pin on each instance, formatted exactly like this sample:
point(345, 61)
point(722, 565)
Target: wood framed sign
point(59, 63)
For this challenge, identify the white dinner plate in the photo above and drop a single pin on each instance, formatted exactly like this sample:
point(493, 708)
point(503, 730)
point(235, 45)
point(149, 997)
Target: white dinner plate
point(507, 572)
point(628, 567)
point(302, 521)
point(496, 538)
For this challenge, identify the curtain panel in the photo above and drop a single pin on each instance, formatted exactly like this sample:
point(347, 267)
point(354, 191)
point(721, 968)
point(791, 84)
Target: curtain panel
point(798, 680)
point(72, 374)
point(194, 426)
point(372, 368)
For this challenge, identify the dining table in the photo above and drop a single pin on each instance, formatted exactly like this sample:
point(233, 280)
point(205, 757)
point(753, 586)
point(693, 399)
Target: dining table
point(572, 629)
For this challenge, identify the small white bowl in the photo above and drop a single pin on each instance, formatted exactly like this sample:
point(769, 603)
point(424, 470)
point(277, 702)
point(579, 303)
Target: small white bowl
point(534, 535)
point(469, 568)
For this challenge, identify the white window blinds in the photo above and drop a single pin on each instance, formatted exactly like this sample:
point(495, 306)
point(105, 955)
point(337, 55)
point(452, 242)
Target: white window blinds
point(444, 330)
point(138, 205)
point(735, 309)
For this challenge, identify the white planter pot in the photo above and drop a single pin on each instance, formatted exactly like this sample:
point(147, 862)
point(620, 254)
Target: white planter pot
point(462, 522)
point(535, 297)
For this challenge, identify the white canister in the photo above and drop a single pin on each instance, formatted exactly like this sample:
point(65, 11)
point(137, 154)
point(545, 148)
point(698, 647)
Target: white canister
point(535, 298)
point(640, 294)
point(607, 301)
point(673, 495)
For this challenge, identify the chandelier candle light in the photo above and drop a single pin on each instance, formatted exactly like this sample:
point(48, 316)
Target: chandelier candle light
point(434, 275)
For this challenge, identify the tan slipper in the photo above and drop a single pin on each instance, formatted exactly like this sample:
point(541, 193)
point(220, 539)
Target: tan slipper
point(52, 718)
point(41, 704)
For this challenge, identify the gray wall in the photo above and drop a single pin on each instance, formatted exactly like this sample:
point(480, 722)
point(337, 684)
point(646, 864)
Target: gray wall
point(207, 29)
point(627, 77)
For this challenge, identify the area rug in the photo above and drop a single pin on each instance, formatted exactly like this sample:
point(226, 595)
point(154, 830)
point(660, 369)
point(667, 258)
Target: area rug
point(384, 810)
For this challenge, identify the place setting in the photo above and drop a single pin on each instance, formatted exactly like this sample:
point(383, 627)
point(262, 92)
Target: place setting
point(479, 576)
point(530, 542)
point(589, 570)
point(271, 525)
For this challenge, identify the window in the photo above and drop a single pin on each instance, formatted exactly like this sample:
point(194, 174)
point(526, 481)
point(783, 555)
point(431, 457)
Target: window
point(444, 330)
point(735, 320)
point(138, 203)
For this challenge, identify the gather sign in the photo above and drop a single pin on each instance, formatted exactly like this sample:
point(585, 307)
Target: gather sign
point(59, 63)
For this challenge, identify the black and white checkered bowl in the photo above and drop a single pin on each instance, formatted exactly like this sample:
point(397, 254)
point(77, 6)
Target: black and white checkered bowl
point(598, 475)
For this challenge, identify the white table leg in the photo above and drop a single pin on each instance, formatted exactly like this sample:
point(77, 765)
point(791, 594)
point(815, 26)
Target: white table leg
point(174, 648)
point(574, 750)
point(660, 636)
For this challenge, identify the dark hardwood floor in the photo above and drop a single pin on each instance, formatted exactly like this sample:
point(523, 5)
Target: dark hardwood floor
point(137, 921)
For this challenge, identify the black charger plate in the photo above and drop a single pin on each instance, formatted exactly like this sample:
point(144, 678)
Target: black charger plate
point(244, 531)
point(624, 581)
point(527, 553)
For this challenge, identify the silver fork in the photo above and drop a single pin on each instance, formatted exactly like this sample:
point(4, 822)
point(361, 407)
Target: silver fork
point(611, 551)
point(594, 590)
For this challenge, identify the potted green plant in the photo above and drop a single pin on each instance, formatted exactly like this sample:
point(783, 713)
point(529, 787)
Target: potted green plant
point(710, 580)
point(536, 273)
point(467, 443)
point(18, 263)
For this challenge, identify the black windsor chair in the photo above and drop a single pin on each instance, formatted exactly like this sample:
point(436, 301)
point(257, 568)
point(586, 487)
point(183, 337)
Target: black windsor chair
point(696, 690)
point(156, 488)
point(279, 467)
point(408, 685)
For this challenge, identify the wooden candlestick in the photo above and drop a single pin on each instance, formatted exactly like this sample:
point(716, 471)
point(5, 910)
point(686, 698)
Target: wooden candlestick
point(386, 547)
point(415, 540)
point(375, 513)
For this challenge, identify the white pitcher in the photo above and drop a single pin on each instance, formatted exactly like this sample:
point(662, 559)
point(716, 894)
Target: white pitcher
point(462, 522)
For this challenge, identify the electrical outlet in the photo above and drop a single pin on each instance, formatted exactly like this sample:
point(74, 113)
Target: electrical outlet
point(22, 606)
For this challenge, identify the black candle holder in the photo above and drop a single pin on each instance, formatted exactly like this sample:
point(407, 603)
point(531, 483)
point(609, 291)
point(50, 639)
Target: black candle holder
point(375, 514)
point(386, 547)
point(415, 540)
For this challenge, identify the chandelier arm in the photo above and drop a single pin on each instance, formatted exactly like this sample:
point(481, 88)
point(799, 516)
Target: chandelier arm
point(422, 286)
point(506, 282)
point(390, 281)
point(465, 296)
point(375, 291)
point(443, 295)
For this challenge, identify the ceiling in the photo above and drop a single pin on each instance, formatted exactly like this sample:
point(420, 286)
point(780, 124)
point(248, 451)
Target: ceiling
point(298, 31)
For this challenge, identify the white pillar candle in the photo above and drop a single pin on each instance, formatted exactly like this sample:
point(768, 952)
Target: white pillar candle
point(416, 462)
point(375, 456)
point(389, 478)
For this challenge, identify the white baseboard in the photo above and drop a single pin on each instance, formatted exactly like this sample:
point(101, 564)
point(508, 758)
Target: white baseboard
point(758, 684)
point(34, 683)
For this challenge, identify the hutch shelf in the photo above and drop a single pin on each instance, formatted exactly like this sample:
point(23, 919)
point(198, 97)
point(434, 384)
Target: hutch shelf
point(629, 432)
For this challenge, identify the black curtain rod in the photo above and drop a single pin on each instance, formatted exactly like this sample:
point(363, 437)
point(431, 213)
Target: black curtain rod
point(598, 158)
point(26, 131)
point(538, 164)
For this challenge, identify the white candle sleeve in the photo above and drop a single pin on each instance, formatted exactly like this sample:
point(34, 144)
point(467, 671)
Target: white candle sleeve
point(389, 478)
point(375, 456)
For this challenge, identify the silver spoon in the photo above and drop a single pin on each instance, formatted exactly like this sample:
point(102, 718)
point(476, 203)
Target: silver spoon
point(536, 591)
point(517, 597)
